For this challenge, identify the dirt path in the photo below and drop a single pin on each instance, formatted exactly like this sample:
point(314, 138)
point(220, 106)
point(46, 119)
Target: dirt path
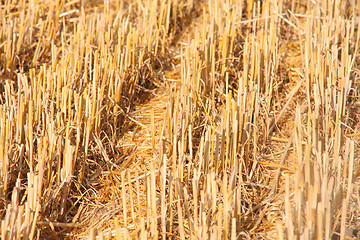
point(141, 148)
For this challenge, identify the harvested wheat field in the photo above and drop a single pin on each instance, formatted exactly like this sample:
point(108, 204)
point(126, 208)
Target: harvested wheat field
point(179, 119)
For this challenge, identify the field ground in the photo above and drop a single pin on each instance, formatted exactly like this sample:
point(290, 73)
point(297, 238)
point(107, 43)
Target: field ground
point(179, 119)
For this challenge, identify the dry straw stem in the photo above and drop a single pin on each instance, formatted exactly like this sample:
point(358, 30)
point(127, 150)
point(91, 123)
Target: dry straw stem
point(190, 119)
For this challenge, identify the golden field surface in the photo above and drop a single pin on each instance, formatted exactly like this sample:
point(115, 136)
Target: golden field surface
point(179, 119)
